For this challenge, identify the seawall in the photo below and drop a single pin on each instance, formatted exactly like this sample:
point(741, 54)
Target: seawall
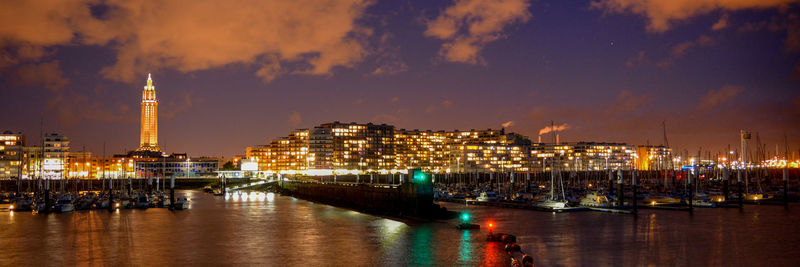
point(406, 200)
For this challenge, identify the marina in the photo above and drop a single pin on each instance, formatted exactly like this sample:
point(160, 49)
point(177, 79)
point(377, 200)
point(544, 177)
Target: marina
point(256, 230)
point(514, 133)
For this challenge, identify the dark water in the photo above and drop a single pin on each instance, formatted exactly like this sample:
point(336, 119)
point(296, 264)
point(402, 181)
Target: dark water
point(283, 231)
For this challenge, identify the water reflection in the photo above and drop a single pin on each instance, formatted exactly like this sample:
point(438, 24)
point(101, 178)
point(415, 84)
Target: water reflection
point(421, 246)
point(716, 237)
point(268, 229)
point(465, 248)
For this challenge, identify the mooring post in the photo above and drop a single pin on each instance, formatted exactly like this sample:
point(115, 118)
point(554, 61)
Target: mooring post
point(786, 185)
point(691, 190)
point(610, 183)
point(633, 177)
point(172, 192)
point(47, 195)
point(110, 195)
point(725, 175)
point(621, 190)
point(741, 196)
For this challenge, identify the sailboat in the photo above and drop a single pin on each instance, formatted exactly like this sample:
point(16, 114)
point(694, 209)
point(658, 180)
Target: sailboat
point(553, 201)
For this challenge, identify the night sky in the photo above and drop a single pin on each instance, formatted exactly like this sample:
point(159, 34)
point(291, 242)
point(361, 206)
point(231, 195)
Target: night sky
point(231, 74)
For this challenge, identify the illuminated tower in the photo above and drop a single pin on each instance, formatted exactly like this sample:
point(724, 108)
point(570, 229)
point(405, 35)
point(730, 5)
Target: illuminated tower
point(149, 134)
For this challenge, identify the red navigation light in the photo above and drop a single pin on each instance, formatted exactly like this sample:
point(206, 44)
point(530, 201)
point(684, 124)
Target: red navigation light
point(491, 225)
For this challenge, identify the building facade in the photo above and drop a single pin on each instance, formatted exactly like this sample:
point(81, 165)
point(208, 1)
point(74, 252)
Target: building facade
point(11, 155)
point(352, 146)
point(55, 152)
point(654, 158)
point(427, 150)
point(176, 166)
point(364, 148)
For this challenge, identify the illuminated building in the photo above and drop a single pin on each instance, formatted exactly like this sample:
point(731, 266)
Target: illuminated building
point(11, 154)
point(352, 146)
point(585, 156)
point(76, 164)
point(421, 149)
point(488, 151)
point(363, 148)
point(654, 158)
point(148, 139)
point(176, 165)
point(31, 162)
point(56, 149)
point(289, 153)
point(261, 155)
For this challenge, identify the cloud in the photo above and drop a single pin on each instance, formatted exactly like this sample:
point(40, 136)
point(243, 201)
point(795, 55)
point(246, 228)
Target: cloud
point(681, 49)
point(399, 116)
point(295, 119)
point(507, 124)
point(663, 14)
point(720, 96)
point(390, 68)
point(722, 23)
point(639, 59)
point(627, 102)
point(468, 25)
point(431, 109)
point(270, 70)
point(70, 107)
point(185, 101)
point(47, 74)
point(557, 128)
point(387, 56)
point(447, 103)
point(394, 99)
point(311, 37)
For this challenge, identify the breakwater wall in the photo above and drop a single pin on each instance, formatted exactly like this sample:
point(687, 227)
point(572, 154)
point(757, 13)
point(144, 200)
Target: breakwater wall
point(405, 200)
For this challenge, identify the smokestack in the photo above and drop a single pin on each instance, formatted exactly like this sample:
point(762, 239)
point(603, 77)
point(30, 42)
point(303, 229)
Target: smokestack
point(540, 139)
point(557, 142)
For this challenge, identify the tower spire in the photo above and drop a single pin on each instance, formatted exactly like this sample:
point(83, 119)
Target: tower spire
point(149, 123)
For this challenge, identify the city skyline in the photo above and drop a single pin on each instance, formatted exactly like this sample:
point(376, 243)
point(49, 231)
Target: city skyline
point(612, 74)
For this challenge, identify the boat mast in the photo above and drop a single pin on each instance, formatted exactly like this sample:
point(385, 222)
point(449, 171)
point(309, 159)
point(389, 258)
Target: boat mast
point(553, 165)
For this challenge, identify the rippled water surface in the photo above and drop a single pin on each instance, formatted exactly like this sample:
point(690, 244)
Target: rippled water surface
point(280, 231)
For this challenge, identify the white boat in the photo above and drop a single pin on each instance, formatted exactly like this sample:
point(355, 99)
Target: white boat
point(6, 206)
point(65, 204)
point(22, 205)
point(487, 196)
point(595, 200)
point(100, 204)
point(182, 203)
point(163, 202)
point(704, 203)
point(551, 204)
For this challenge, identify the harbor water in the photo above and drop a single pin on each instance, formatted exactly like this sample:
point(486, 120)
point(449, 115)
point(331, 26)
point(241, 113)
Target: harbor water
point(274, 230)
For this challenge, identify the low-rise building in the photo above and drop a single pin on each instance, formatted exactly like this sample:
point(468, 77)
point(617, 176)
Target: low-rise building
point(11, 155)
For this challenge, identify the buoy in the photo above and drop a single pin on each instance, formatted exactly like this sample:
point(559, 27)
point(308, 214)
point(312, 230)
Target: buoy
point(527, 260)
